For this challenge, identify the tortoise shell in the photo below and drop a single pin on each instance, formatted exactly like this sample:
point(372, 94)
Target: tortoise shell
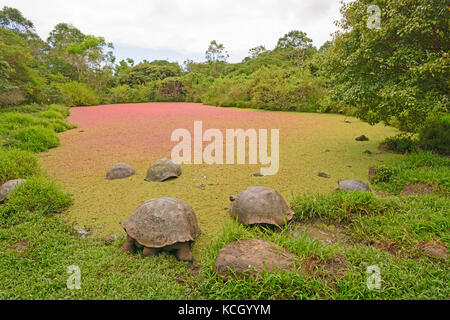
point(163, 170)
point(260, 205)
point(162, 222)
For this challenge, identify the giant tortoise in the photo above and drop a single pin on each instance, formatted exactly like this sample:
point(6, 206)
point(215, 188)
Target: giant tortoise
point(260, 205)
point(162, 224)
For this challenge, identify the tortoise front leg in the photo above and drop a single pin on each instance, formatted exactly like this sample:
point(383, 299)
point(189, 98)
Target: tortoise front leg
point(150, 252)
point(128, 246)
point(184, 252)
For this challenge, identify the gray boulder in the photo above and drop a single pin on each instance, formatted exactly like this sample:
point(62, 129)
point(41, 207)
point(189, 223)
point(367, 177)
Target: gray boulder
point(8, 187)
point(353, 185)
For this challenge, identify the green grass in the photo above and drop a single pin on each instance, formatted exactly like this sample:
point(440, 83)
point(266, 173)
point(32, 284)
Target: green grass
point(32, 199)
point(40, 271)
point(402, 278)
point(16, 164)
point(416, 167)
point(404, 221)
point(33, 128)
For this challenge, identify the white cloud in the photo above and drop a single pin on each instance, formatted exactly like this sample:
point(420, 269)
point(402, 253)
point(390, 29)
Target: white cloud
point(186, 26)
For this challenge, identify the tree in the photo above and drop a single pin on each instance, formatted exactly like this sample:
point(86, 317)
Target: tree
point(81, 57)
point(216, 53)
point(399, 71)
point(5, 69)
point(144, 73)
point(294, 40)
point(63, 35)
point(12, 19)
point(297, 44)
point(257, 51)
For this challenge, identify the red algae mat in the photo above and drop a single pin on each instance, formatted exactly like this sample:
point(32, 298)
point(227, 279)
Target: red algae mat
point(140, 134)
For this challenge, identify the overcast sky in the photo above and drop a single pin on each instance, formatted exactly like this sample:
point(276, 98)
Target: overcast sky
point(181, 29)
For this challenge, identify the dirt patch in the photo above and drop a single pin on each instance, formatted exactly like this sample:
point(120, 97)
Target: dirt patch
point(384, 147)
point(383, 194)
point(329, 270)
point(326, 234)
point(389, 246)
point(436, 250)
point(420, 188)
point(20, 246)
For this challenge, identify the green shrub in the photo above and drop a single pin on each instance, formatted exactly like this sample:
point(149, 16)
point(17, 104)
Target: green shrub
point(16, 164)
point(28, 108)
point(384, 174)
point(60, 125)
point(49, 114)
point(36, 197)
point(402, 143)
point(61, 109)
point(78, 94)
point(35, 138)
point(338, 206)
point(435, 135)
point(427, 167)
point(19, 120)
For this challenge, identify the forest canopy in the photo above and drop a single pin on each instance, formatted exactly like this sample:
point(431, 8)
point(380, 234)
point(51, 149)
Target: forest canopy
point(396, 73)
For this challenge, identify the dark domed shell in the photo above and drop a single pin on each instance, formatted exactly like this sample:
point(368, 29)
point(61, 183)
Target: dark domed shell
point(120, 171)
point(353, 185)
point(8, 187)
point(261, 205)
point(163, 170)
point(162, 222)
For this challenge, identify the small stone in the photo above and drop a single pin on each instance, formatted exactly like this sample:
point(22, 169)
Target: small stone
point(368, 152)
point(362, 138)
point(84, 233)
point(258, 174)
point(353, 185)
point(324, 175)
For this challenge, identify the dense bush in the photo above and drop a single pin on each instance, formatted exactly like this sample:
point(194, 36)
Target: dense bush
point(35, 138)
point(435, 135)
point(425, 167)
point(126, 94)
point(60, 109)
point(78, 94)
point(15, 164)
point(402, 143)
